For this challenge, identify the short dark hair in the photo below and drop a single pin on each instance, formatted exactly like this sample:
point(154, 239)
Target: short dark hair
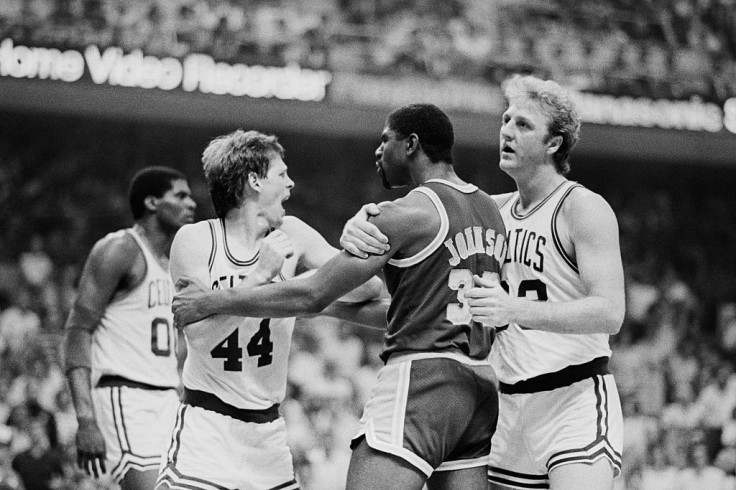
point(150, 181)
point(430, 124)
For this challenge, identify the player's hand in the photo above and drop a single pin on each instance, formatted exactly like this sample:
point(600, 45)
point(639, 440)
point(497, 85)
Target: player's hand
point(275, 248)
point(489, 302)
point(90, 448)
point(360, 237)
point(189, 304)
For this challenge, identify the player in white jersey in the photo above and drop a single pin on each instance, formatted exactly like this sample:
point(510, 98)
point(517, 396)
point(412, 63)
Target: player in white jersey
point(228, 431)
point(562, 295)
point(560, 424)
point(120, 343)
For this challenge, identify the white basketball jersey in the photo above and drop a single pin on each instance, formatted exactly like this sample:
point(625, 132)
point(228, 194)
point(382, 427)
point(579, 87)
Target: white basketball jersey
point(135, 338)
point(242, 361)
point(536, 267)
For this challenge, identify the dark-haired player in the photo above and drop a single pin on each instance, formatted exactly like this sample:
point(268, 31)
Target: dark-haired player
point(120, 342)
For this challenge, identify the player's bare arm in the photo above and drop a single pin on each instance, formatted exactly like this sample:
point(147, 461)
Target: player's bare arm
point(370, 314)
point(589, 232)
point(334, 279)
point(314, 251)
point(115, 264)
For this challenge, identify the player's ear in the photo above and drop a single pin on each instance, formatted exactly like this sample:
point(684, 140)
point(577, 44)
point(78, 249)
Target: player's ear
point(151, 203)
point(254, 182)
point(554, 144)
point(412, 143)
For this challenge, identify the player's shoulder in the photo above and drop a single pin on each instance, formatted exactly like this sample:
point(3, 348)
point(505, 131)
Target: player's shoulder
point(502, 199)
point(411, 217)
point(297, 229)
point(292, 224)
point(195, 232)
point(193, 239)
point(116, 251)
point(587, 211)
point(119, 242)
point(413, 204)
point(582, 199)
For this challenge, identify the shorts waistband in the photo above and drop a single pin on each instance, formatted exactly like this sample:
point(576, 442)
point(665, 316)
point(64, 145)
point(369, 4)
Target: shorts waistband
point(559, 379)
point(208, 401)
point(111, 380)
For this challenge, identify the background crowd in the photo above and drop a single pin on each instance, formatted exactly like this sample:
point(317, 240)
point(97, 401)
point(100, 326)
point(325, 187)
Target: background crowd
point(674, 357)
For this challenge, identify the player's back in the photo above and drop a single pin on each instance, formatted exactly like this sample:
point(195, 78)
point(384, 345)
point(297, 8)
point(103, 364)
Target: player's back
point(135, 339)
point(538, 268)
point(427, 312)
point(242, 361)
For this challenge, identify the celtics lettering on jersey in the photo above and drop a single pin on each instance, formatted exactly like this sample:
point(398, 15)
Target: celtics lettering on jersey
point(526, 247)
point(472, 240)
point(160, 293)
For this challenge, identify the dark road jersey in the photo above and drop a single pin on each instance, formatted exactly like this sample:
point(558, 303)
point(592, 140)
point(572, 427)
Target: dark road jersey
point(427, 311)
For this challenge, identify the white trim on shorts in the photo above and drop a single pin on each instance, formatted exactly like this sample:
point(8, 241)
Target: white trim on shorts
point(601, 447)
point(463, 464)
point(456, 356)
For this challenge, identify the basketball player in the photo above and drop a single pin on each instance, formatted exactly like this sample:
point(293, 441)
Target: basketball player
point(560, 424)
point(228, 431)
point(120, 343)
point(431, 414)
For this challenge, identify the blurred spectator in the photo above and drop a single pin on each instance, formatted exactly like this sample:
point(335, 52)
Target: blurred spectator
point(19, 323)
point(715, 404)
point(40, 381)
point(9, 478)
point(702, 474)
point(41, 467)
point(658, 473)
point(35, 264)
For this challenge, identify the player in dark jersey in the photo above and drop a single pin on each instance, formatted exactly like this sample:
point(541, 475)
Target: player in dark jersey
point(442, 233)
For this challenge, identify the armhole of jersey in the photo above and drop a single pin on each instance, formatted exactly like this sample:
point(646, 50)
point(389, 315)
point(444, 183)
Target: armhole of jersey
point(555, 235)
point(213, 251)
point(436, 242)
point(118, 295)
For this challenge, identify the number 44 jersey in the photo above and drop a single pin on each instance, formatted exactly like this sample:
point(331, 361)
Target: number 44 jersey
point(537, 267)
point(242, 361)
point(135, 338)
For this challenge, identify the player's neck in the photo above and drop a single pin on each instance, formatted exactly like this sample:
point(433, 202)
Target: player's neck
point(534, 190)
point(244, 227)
point(441, 171)
point(158, 242)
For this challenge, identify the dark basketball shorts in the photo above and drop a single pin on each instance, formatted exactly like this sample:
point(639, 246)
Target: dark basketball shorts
point(437, 411)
